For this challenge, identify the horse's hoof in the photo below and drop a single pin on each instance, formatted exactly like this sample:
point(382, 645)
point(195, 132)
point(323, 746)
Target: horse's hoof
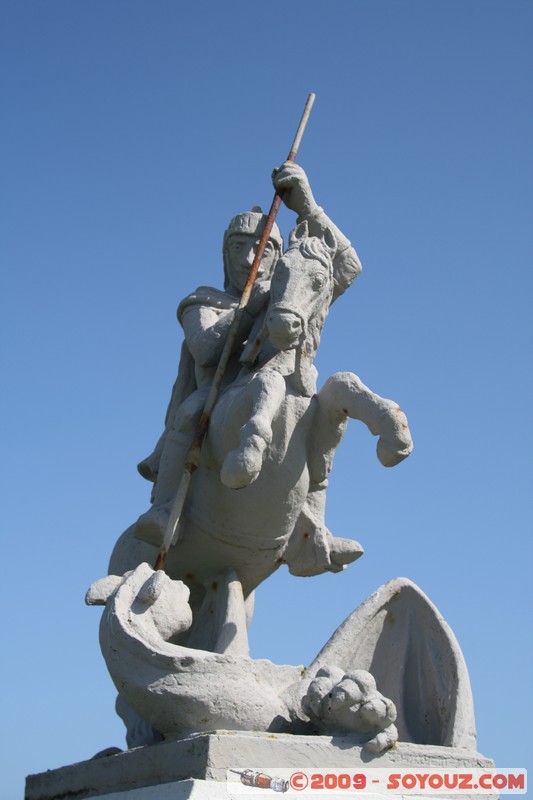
point(391, 453)
point(242, 467)
point(235, 473)
point(395, 442)
point(344, 551)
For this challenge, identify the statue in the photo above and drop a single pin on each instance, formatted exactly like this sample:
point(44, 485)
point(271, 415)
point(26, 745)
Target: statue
point(272, 437)
point(175, 641)
point(181, 689)
point(205, 316)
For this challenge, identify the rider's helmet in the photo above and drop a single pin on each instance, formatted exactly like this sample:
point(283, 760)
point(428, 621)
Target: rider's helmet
point(251, 223)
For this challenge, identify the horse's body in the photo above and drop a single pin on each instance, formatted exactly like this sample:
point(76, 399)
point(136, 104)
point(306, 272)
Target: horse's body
point(272, 438)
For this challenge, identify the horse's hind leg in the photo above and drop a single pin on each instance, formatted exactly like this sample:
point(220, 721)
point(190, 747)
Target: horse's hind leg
point(345, 395)
point(259, 400)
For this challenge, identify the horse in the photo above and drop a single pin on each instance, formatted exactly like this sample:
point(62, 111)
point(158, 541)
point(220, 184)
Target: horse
point(257, 498)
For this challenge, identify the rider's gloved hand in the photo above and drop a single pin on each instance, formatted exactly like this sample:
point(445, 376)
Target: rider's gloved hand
point(297, 192)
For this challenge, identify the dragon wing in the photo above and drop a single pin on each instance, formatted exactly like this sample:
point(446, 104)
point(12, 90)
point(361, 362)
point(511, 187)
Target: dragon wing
point(399, 636)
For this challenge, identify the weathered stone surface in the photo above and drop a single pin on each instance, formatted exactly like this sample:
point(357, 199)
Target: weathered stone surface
point(270, 435)
point(397, 635)
point(207, 756)
point(253, 498)
point(256, 498)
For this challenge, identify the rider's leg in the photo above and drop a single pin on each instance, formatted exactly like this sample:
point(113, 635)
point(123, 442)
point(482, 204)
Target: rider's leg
point(170, 467)
point(150, 526)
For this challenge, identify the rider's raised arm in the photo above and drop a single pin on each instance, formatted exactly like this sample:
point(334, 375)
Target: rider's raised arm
point(346, 264)
point(299, 198)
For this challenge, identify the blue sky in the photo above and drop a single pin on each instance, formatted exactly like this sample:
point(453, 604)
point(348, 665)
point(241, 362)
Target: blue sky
point(132, 131)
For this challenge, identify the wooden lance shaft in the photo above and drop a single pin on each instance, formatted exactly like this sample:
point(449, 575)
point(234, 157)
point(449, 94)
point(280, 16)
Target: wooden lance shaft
point(193, 455)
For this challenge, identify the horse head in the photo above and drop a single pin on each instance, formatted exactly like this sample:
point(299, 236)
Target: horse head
point(301, 290)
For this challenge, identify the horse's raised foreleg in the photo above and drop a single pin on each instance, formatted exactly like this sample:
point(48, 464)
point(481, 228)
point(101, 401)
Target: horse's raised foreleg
point(258, 403)
point(345, 395)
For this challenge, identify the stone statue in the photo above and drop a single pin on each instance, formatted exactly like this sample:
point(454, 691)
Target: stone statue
point(176, 644)
point(205, 317)
point(268, 396)
point(181, 689)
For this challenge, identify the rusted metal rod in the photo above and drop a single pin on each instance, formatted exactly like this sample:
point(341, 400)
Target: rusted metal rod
point(193, 455)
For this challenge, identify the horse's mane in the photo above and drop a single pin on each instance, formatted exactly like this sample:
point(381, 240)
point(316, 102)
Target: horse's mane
point(314, 248)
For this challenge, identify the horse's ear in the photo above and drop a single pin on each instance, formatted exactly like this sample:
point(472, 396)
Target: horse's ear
point(330, 240)
point(300, 232)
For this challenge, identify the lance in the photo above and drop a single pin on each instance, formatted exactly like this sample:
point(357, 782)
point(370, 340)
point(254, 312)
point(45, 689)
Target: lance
point(193, 454)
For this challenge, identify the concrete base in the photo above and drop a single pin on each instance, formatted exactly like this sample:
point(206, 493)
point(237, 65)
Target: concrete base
point(195, 766)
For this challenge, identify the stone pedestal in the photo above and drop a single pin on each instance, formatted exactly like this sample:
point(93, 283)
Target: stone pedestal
point(195, 766)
